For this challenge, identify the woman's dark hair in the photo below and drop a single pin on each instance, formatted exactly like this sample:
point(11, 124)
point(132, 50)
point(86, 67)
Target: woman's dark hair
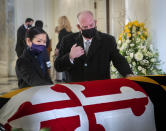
point(39, 24)
point(32, 32)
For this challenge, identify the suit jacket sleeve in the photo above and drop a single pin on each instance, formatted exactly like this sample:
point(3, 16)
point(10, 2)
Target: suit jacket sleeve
point(62, 62)
point(20, 45)
point(59, 40)
point(119, 61)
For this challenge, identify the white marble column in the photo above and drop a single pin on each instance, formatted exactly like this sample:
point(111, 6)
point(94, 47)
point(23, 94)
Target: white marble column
point(117, 17)
point(7, 47)
point(158, 29)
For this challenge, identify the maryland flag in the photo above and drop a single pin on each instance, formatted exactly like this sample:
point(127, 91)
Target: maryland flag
point(131, 104)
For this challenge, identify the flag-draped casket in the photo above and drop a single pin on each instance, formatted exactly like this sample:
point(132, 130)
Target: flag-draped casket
point(101, 105)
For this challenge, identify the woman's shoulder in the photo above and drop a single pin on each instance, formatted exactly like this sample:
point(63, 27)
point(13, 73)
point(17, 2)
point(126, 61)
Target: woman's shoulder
point(64, 32)
point(24, 58)
point(22, 61)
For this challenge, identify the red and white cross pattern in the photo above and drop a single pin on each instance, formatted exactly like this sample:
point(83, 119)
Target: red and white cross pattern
point(103, 105)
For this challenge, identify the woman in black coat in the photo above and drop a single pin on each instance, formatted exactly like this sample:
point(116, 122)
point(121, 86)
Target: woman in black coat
point(31, 67)
point(63, 29)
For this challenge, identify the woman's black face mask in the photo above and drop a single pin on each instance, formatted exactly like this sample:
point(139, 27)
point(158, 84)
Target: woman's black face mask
point(89, 33)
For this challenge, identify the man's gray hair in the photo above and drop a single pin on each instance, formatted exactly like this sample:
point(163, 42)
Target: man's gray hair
point(82, 12)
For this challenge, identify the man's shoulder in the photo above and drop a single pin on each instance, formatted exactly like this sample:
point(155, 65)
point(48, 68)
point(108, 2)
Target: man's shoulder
point(22, 27)
point(105, 35)
point(72, 36)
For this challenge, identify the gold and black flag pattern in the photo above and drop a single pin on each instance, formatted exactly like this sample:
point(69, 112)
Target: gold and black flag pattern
point(155, 87)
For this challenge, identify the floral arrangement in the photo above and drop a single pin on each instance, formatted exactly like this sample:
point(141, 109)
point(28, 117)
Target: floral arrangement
point(135, 46)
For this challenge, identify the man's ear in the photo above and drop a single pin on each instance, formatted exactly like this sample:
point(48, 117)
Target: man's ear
point(28, 42)
point(96, 23)
point(78, 26)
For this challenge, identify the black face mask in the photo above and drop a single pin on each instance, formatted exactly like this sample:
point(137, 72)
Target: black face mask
point(89, 33)
point(29, 26)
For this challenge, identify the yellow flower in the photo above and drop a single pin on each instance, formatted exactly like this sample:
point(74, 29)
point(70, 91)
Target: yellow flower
point(136, 23)
point(126, 27)
point(141, 28)
point(130, 25)
point(120, 36)
point(145, 30)
point(129, 35)
point(146, 33)
point(134, 45)
point(134, 28)
point(138, 32)
point(143, 38)
point(142, 24)
point(127, 30)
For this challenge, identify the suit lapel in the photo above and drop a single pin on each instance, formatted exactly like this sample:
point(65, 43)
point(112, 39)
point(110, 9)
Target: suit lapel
point(94, 47)
point(79, 41)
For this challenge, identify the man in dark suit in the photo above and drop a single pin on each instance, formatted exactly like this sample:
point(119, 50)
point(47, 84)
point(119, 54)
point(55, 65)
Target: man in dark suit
point(21, 32)
point(83, 64)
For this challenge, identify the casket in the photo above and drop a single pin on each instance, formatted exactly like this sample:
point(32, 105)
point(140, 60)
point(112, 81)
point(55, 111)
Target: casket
point(101, 105)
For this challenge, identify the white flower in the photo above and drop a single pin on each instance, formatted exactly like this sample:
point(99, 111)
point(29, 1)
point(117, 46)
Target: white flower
point(143, 47)
point(131, 45)
point(124, 46)
point(134, 64)
point(138, 40)
point(143, 71)
point(153, 60)
point(146, 61)
point(128, 41)
point(119, 42)
point(131, 55)
point(128, 58)
point(138, 56)
point(149, 54)
point(138, 51)
point(113, 68)
point(139, 68)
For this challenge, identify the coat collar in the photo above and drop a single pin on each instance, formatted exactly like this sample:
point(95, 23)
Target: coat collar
point(94, 47)
point(95, 41)
point(33, 60)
